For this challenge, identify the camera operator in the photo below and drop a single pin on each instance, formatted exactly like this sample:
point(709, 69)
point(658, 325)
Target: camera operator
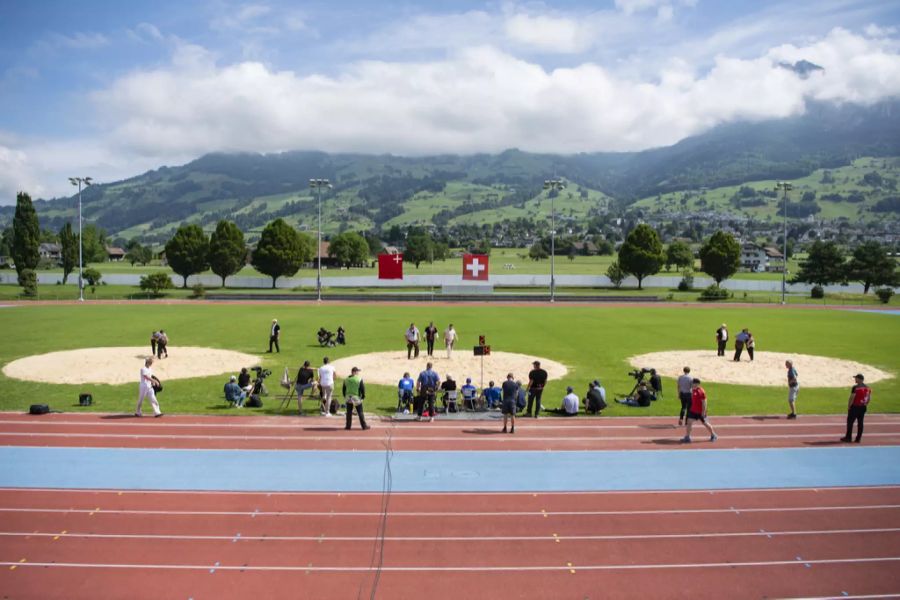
point(641, 398)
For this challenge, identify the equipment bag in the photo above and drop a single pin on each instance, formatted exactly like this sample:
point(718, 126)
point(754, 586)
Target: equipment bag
point(85, 399)
point(38, 409)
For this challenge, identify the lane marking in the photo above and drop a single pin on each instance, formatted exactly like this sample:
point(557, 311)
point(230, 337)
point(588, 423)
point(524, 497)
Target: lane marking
point(456, 495)
point(460, 569)
point(541, 513)
point(499, 538)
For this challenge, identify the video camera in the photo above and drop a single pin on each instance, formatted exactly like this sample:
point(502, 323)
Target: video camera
point(260, 372)
point(639, 374)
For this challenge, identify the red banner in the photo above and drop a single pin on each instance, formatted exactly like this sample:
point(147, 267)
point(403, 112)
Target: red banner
point(390, 266)
point(475, 267)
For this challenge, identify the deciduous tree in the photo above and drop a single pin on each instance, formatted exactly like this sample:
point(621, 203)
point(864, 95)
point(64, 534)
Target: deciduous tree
point(349, 249)
point(679, 255)
point(824, 265)
point(642, 253)
point(227, 252)
point(187, 252)
point(720, 256)
point(871, 265)
point(281, 250)
point(68, 244)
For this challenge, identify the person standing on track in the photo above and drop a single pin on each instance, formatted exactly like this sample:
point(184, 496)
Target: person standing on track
point(860, 394)
point(698, 412)
point(537, 379)
point(449, 339)
point(146, 390)
point(430, 335)
point(793, 388)
point(412, 341)
point(274, 335)
point(354, 391)
point(509, 390)
point(721, 340)
point(684, 394)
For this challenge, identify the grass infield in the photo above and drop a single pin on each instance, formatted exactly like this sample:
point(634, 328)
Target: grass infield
point(593, 341)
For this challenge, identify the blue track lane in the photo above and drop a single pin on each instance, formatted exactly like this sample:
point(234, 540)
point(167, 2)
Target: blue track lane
point(327, 471)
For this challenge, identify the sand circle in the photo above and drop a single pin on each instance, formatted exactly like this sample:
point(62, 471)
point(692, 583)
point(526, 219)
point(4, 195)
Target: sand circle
point(387, 368)
point(767, 369)
point(122, 365)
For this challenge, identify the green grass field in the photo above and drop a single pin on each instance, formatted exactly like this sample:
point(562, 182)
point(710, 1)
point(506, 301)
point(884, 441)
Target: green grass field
point(593, 341)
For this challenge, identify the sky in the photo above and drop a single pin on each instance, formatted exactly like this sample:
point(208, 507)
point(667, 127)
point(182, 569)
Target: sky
point(111, 89)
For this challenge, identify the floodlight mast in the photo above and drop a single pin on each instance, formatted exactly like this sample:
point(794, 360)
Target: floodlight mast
point(85, 182)
point(553, 185)
point(785, 187)
point(318, 184)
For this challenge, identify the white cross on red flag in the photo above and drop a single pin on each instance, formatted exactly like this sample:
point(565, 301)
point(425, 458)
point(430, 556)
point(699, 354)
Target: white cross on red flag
point(475, 267)
point(390, 266)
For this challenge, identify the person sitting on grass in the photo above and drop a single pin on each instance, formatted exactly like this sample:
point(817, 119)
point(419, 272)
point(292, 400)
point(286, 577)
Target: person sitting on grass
point(469, 394)
point(570, 403)
point(234, 394)
point(405, 393)
point(595, 401)
point(642, 397)
point(491, 396)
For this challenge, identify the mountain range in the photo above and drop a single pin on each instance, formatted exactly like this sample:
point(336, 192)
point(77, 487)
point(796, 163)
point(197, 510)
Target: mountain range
point(378, 191)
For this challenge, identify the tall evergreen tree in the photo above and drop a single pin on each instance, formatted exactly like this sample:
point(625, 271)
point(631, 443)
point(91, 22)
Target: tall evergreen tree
point(26, 234)
point(226, 250)
point(68, 244)
point(642, 253)
point(187, 251)
point(281, 250)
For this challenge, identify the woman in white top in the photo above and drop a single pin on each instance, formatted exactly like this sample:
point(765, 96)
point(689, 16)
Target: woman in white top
point(449, 339)
point(146, 389)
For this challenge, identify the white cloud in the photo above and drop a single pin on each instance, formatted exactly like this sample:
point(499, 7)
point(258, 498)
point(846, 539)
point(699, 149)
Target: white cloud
point(145, 33)
point(548, 34)
point(76, 41)
point(664, 8)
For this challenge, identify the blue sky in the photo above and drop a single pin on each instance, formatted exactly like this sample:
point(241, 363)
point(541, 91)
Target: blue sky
point(111, 89)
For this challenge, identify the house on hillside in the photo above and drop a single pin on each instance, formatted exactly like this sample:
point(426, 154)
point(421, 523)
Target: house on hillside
point(50, 251)
point(115, 254)
point(760, 259)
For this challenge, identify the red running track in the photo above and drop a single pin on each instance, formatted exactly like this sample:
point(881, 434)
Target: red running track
point(320, 433)
point(722, 544)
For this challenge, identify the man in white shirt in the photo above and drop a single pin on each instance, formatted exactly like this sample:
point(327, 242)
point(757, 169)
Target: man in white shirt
point(412, 341)
point(326, 382)
point(569, 404)
point(449, 339)
point(146, 389)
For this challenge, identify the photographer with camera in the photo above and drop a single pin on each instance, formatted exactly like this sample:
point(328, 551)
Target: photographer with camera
point(641, 397)
point(259, 388)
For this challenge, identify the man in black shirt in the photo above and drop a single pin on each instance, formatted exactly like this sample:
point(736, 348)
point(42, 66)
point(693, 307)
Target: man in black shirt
point(537, 379)
point(642, 397)
point(304, 381)
point(274, 335)
point(430, 335)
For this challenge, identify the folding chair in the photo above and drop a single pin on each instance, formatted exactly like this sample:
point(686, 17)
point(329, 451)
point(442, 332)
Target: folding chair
point(452, 406)
point(288, 385)
point(470, 400)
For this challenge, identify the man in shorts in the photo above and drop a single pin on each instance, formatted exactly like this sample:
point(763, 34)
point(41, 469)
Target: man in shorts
point(684, 394)
point(698, 412)
point(537, 379)
point(793, 388)
point(305, 381)
point(860, 394)
point(509, 390)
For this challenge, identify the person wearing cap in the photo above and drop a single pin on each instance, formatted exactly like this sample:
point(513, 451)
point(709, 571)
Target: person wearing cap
point(721, 339)
point(509, 390)
point(684, 393)
point(537, 379)
point(793, 388)
point(274, 335)
point(354, 392)
point(234, 394)
point(570, 403)
point(860, 394)
point(697, 412)
point(595, 400)
point(469, 394)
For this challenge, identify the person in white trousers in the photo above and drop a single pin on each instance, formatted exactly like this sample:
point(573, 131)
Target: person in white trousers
point(147, 389)
point(449, 339)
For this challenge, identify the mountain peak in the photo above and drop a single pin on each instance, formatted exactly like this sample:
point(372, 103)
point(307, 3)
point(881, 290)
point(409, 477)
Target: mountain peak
point(803, 67)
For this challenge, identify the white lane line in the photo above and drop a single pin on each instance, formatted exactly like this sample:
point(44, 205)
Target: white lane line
point(375, 438)
point(456, 495)
point(463, 569)
point(496, 514)
point(497, 538)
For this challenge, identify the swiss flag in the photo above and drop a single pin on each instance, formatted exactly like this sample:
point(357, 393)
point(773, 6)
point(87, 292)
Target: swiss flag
point(475, 267)
point(390, 266)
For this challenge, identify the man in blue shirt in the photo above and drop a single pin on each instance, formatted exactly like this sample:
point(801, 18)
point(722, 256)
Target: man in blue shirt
point(491, 395)
point(739, 341)
point(234, 393)
point(469, 393)
point(405, 393)
point(426, 385)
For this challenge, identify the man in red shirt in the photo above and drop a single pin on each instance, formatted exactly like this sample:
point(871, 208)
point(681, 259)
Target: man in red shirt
point(697, 412)
point(860, 394)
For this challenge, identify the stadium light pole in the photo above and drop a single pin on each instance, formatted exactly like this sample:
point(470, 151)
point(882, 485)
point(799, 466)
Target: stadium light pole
point(85, 182)
point(318, 184)
point(785, 187)
point(553, 185)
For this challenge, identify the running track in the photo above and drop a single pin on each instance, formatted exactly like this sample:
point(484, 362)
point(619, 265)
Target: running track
point(823, 519)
